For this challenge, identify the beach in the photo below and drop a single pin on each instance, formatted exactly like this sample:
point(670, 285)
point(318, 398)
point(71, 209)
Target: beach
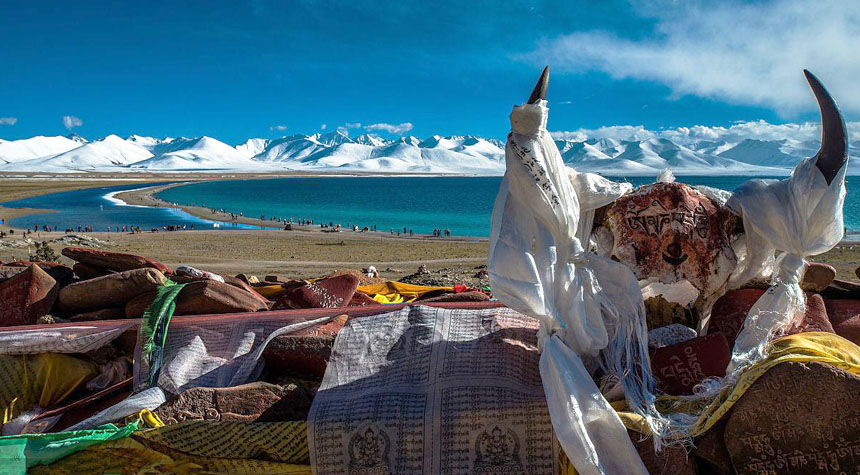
point(303, 252)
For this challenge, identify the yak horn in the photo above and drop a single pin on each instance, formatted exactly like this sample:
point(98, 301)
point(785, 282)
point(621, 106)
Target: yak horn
point(834, 140)
point(540, 88)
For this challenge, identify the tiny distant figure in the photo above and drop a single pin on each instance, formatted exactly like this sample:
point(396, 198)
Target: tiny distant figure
point(410, 232)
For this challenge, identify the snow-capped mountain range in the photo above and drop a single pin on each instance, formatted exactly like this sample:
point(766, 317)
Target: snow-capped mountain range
point(337, 152)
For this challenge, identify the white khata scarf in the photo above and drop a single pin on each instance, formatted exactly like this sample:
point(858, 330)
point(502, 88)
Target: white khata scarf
point(591, 308)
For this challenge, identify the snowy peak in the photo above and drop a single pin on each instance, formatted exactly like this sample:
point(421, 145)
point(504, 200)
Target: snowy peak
point(26, 149)
point(438, 154)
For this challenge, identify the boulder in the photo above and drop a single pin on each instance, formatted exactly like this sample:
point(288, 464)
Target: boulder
point(116, 261)
point(842, 289)
point(7, 272)
point(305, 352)
point(730, 312)
point(202, 297)
point(710, 448)
point(669, 461)
point(61, 273)
point(815, 319)
point(324, 293)
point(678, 368)
point(670, 335)
point(26, 297)
point(361, 300)
point(103, 314)
point(109, 291)
point(240, 284)
point(87, 272)
point(254, 402)
point(817, 277)
point(798, 418)
point(470, 296)
point(844, 315)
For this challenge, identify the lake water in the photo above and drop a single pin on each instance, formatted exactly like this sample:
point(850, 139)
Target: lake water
point(461, 204)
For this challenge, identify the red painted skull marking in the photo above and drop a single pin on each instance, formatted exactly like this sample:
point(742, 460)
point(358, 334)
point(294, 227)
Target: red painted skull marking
point(673, 232)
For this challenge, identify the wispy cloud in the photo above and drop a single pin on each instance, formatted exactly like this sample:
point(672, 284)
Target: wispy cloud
point(759, 130)
point(8, 120)
point(743, 53)
point(322, 127)
point(278, 128)
point(399, 129)
point(70, 122)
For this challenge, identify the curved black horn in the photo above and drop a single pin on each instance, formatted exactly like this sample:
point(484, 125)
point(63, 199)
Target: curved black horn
point(834, 140)
point(540, 88)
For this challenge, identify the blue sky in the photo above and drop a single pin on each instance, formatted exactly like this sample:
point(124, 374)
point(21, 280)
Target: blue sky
point(233, 69)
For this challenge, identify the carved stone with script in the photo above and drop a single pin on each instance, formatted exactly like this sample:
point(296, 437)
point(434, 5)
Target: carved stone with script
point(673, 232)
point(798, 418)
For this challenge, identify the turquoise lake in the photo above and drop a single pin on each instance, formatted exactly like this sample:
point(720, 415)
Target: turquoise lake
point(460, 204)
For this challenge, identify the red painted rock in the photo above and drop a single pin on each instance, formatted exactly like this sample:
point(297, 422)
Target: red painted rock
point(845, 317)
point(240, 284)
point(678, 368)
point(306, 352)
point(817, 277)
point(669, 461)
point(798, 418)
point(325, 293)
point(110, 291)
point(711, 449)
point(87, 272)
point(61, 273)
point(815, 319)
point(842, 289)
point(361, 300)
point(202, 297)
point(674, 232)
point(471, 296)
point(26, 297)
point(103, 314)
point(7, 272)
point(731, 310)
point(116, 261)
point(253, 402)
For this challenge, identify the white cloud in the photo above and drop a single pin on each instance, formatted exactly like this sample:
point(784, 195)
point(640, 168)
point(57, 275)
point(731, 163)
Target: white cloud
point(759, 130)
point(8, 120)
point(278, 128)
point(322, 127)
point(70, 122)
point(352, 125)
point(399, 129)
point(736, 52)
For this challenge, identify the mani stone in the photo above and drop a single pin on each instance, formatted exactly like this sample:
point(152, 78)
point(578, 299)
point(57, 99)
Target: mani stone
point(330, 292)
point(669, 461)
point(27, 297)
point(669, 335)
point(103, 314)
point(203, 297)
point(845, 318)
point(798, 418)
point(361, 300)
point(471, 296)
point(710, 449)
point(116, 261)
point(109, 291)
point(817, 277)
point(253, 402)
point(678, 368)
point(87, 272)
point(730, 312)
point(61, 273)
point(305, 352)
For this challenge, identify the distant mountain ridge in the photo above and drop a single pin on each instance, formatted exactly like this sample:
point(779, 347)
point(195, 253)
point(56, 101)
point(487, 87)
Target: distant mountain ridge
point(368, 153)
